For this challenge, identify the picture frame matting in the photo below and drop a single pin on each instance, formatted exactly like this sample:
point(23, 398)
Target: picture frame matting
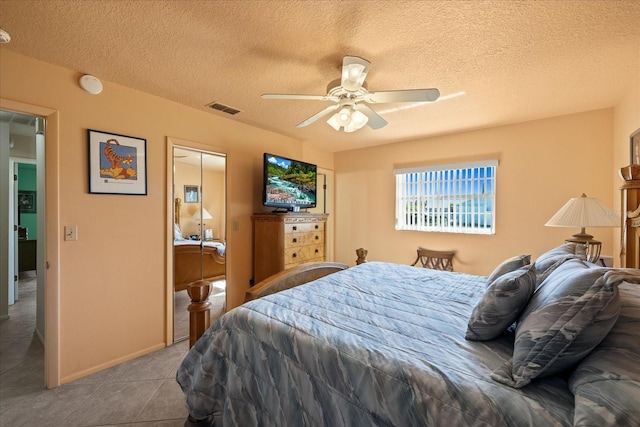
point(117, 163)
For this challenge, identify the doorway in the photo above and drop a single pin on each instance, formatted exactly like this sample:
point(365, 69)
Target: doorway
point(198, 231)
point(23, 299)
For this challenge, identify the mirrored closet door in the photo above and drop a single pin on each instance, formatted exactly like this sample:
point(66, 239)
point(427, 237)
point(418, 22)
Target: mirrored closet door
point(199, 234)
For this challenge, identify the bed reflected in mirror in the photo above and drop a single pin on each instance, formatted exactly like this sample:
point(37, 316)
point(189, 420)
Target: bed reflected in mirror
point(199, 238)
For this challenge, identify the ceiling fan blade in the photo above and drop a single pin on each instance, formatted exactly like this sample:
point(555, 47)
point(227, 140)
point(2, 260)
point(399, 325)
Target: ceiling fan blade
point(375, 120)
point(302, 97)
point(318, 115)
point(411, 95)
point(354, 71)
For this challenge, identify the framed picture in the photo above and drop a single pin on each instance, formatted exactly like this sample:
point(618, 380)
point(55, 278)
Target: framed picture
point(27, 201)
point(635, 148)
point(117, 163)
point(191, 194)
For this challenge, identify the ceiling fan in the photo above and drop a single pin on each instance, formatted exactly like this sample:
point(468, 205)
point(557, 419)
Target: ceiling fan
point(350, 96)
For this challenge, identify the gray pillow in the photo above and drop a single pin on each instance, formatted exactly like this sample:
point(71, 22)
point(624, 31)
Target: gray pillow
point(552, 259)
point(606, 384)
point(501, 303)
point(508, 265)
point(573, 310)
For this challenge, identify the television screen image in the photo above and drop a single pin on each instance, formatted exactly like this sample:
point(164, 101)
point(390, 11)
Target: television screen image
point(289, 183)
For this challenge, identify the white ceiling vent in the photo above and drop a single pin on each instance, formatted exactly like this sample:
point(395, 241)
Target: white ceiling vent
point(223, 108)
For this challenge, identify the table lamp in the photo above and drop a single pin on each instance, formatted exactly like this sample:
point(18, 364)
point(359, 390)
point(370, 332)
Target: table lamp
point(205, 215)
point(585, 212)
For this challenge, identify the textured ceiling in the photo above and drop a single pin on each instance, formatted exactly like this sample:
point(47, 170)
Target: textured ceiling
point(508, 61)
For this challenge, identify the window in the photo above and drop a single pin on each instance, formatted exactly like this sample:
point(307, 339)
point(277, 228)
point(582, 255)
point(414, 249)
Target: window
point(455, 198)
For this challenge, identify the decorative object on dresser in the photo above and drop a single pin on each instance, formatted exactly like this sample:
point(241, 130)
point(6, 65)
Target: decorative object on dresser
point(585, 212)
point(630, 222)
point(282, 241)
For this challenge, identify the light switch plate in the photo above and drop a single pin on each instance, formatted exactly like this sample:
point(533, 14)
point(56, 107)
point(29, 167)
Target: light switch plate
point(70, 232)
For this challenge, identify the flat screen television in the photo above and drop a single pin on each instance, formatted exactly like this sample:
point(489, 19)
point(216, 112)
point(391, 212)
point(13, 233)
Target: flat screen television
point(288, 184)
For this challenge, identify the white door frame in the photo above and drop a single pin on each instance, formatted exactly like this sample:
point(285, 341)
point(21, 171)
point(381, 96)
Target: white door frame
point(50, 262)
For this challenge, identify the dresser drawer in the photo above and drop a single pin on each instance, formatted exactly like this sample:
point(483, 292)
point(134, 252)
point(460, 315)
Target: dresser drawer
point(303, 254)
point(302, 227)
point(295, 240)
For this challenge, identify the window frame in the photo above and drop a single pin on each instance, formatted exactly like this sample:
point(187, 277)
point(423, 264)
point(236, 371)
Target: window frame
point(443, 188)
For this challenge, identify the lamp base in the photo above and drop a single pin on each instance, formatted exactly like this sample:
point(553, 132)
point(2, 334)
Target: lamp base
point(592, 247)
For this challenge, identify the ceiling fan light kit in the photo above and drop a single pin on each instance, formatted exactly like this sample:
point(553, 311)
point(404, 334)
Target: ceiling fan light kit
point(349, 119)
point(351, 95)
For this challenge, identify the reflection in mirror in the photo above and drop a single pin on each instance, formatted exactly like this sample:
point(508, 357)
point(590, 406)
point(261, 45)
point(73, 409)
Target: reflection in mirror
point(199, 240)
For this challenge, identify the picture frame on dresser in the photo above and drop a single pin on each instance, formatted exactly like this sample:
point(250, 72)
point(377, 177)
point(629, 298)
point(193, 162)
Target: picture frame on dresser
point(635, 147)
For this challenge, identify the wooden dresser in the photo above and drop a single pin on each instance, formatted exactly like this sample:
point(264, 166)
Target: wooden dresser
point(282, 241)
point(630, 232)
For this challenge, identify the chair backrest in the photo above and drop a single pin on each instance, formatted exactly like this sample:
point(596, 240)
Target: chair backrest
point(436, 260)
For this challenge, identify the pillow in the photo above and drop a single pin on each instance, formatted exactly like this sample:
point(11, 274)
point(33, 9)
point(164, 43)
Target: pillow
point(566, 318)
point(501, 303)
point(606, 384)
point(508, 265)
point(552, 259)
point(177, 234)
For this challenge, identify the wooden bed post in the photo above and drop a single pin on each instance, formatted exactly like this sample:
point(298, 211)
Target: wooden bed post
point(362, 256)
point(199, 309)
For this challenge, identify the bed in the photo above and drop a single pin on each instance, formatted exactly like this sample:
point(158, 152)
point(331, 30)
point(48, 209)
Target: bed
point(195, 259)
point(391, 345)
point(190, 264)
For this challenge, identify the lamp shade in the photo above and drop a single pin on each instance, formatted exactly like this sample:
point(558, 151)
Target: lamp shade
point(584, 212)
point(205, 214)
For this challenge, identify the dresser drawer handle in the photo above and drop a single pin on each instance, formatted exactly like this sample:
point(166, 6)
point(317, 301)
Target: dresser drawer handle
point(317, 251)
point(317, 226)
point(317, 237)
point(294, 255)
point(295, 228)
point(295, 240)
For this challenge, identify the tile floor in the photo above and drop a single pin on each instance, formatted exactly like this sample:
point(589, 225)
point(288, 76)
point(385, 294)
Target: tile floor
point(140, 392)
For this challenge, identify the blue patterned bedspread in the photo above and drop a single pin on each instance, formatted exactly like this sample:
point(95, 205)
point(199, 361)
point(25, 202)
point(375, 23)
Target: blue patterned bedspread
point(374, 345)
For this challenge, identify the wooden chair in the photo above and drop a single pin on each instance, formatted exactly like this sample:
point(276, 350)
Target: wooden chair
point(436, 260)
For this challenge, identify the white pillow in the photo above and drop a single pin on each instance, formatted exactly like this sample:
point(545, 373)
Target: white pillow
point(177, 234)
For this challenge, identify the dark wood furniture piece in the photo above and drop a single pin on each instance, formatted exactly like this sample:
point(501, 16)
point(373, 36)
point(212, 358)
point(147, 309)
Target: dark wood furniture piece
point(282, 241)
point(630, 223)
point(27, 255)
point(193, 262)
point(435, 260)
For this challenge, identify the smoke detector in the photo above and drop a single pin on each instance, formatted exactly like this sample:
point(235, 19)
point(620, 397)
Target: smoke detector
point(4, 36)
point(91, 84)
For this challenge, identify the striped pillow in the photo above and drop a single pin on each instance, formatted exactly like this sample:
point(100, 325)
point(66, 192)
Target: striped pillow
point(573, 310)
point(501, 304)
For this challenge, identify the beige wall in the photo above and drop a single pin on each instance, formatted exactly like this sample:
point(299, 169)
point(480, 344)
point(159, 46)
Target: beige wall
point(112, 283)
point(212, 200)
point(543, 164)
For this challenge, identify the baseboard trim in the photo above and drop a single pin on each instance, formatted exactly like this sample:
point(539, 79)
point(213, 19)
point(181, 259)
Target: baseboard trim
point(4, 317)
point(39, 335)
point(110, 363)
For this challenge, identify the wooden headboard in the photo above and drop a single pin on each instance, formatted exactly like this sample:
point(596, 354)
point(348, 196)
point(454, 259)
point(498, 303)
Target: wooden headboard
point(176, 210)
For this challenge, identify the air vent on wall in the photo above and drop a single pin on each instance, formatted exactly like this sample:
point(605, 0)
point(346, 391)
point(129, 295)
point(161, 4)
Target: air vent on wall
point(223, 108)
